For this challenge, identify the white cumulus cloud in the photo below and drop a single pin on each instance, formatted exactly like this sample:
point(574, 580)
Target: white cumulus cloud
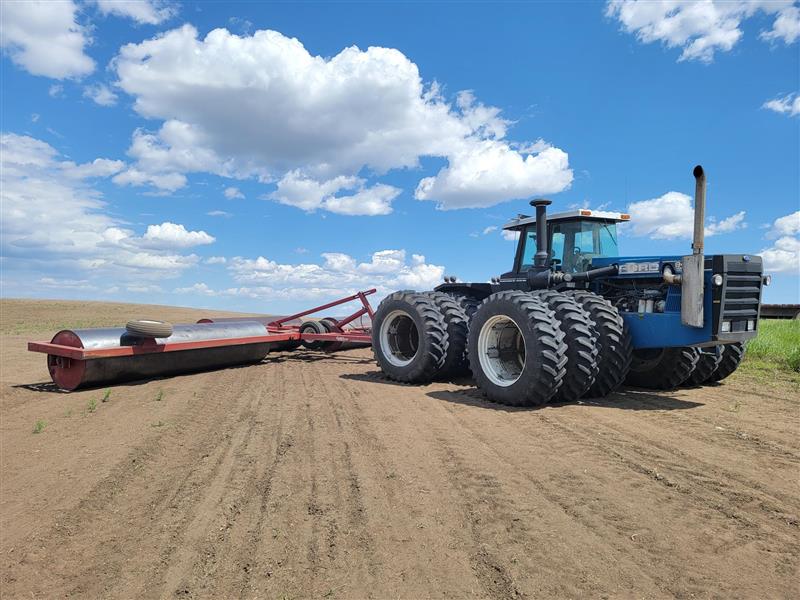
point(783, 256)
point(150, 12)
point(262, 106)
point(306, 193)
point(672, 216)
point(700, 28)
point(101, 94)
point(174, 235)
point(784, 105)
point(45, 39)
point(338, 275)
point(54, 224)
point(788, 225)
point(233, 193)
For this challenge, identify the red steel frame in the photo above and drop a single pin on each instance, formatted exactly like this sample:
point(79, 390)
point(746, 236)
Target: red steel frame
point(276, 331)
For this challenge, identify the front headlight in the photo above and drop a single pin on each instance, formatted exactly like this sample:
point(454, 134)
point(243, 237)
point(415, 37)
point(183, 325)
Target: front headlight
point(751, 325)
point(717, 280)
point(726, 327)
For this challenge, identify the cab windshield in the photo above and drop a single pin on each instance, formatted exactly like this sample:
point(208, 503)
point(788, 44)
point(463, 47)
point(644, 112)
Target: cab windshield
point(573, 244)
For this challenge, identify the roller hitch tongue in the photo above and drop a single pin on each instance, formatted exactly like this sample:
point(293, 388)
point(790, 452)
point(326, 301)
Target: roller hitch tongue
point(692, 291)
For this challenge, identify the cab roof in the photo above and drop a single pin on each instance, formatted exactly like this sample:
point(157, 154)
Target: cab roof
point(581, 213)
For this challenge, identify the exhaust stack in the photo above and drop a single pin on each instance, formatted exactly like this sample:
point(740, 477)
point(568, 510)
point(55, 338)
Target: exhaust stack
point(699, 210)
point(693, 289)
point(542, 256)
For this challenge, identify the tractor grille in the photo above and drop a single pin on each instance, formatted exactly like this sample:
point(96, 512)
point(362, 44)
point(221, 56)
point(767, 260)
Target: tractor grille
point(737, 302)
point(741, 295)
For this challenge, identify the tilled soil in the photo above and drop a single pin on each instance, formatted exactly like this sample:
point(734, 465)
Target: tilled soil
point(310, 475)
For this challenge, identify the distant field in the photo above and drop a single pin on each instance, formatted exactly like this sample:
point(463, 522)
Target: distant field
point(25, 316)
point(777, 346)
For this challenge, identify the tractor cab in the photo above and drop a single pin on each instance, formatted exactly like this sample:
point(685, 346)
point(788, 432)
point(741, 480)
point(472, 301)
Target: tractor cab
point(574, 239)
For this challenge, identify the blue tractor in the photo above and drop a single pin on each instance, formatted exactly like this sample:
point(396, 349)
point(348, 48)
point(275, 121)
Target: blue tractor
point(572, 319)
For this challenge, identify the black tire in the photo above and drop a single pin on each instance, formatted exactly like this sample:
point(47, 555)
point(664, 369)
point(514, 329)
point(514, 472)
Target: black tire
point(149, 329)
point(313, 327)
point(581, 340)
point(331, 326)
point(468, 303)
point(707, 363)
point(457, 325)
point(732, 355)
point(613, 344)
point(662, 368)
point(409, 337)
point(533, 377)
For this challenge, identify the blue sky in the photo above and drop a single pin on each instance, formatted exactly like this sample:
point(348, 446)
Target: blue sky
point(261, 156)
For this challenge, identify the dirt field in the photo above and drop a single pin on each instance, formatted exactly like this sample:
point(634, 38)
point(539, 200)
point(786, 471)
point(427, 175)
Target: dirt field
point(311, 476)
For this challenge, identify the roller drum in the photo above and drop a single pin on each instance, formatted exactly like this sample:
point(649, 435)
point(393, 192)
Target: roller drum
point(70, 374)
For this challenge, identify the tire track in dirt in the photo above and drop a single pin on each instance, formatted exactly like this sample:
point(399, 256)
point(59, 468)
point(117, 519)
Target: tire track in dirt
point(551, 489)
point(475, 489)
point(631, 448)
point(558, 509)
point(203, 474)
point(270, 452)
point(205, 546)
point(652, 437)
point(732, 432)
point(137, 483)
point(377, 436)
point(510, 502)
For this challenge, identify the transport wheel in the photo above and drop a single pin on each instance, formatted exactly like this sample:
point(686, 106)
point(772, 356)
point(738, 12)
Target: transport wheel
point(468, 303)
point(662, 368)
point(457, 325)
point(313, 327)
point(613, 343)
point(581, 340)
point(516, 349)
point(149, 329)
point(732, 355)
point(707, 363)
point(331, 327)
point(409, 337)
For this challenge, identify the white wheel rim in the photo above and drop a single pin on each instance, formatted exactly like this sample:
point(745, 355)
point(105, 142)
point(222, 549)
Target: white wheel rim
point(501, 350)
point(399, 338)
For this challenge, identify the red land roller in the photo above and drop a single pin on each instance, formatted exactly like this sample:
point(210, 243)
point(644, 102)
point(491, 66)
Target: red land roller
point(93, 357)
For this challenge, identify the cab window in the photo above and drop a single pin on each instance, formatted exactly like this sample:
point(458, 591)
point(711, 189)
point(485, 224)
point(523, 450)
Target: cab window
point(529, 250)
point(573, 244)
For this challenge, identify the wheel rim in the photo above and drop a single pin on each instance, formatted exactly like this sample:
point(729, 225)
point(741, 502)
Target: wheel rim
point(399, 338)
point(501, 350)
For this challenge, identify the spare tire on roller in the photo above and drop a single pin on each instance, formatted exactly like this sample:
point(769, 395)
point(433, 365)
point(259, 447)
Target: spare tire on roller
point(148, 328)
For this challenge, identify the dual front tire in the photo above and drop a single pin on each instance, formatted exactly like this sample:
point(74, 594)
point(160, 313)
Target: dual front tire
point(670, 368)
point(516, 349)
